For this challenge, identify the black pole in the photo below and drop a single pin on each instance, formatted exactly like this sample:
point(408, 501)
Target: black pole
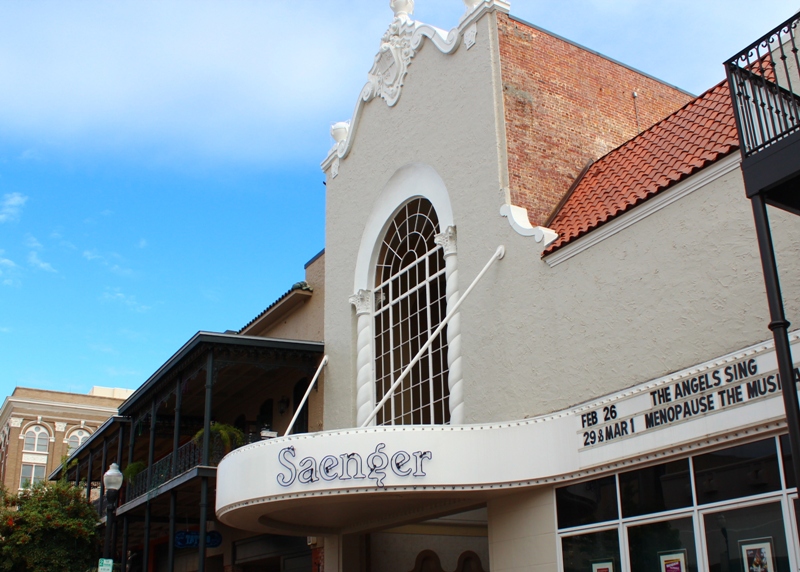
point(201, 545)
point(147, 508)
point(115, 532)
point(124, 557)
point(173, 508)
point(89, 477)
point(780, 331)
point(111, 512)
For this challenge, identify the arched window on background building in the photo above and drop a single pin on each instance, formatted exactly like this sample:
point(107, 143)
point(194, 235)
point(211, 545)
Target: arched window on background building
point(409, 304)
point(76, 439)
point(37, 439)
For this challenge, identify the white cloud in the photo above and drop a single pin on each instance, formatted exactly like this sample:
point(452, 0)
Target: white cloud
point(30, 155)
point(36, 262)
point(120, 372)
point(31, 242)
point(115, 295)
point(5, 330)
point(104, 349)
point(11, 206)
point(107, 260)
point(120, 270)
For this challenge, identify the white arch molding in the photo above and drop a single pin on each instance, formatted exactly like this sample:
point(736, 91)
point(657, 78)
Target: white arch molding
point(408, 182)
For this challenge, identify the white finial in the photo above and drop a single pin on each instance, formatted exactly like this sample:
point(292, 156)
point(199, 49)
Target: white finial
point(339, 131)
point(471, 4)
point(402, 7)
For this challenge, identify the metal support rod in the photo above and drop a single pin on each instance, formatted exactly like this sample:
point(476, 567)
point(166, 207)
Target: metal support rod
point(176, 433)
point(89, 476)
point(173, 509)
point(207, 411)
point(201, 544)
point(151, 453)
point(498, 254)
point(124, 556)
point(305, 397)
point(780, 328)
point(146, 548)
point(103, 463)
point(130, 460)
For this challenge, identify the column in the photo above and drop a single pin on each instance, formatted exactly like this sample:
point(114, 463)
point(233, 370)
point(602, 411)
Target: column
point(365, 383)
point(455, 375)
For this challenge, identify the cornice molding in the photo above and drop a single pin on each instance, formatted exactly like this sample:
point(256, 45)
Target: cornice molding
point(398, 47)
point(640, 212)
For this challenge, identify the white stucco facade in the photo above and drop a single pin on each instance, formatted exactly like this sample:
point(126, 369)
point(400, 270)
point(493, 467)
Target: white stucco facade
point(664, 294)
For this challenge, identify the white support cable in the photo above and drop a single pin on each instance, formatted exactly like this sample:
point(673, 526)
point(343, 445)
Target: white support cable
point(498, 254)
point(305, 397)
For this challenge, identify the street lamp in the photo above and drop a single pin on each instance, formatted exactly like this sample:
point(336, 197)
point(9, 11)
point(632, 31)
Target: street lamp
point(112, 480)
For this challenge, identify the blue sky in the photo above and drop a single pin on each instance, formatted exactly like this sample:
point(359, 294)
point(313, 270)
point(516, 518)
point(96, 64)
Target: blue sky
point(159, 161)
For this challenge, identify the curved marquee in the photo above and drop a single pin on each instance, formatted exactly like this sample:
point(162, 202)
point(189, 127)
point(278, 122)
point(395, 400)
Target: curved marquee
point(361, 479)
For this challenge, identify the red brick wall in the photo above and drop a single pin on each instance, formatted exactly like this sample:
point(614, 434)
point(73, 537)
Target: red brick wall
point(565, 106)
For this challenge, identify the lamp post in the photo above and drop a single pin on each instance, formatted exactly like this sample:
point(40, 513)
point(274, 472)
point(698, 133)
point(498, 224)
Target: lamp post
point(112, 480)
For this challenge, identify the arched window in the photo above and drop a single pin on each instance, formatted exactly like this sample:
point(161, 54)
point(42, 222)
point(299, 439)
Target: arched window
point(76, 439)
point(409, 301)
point(36, 439)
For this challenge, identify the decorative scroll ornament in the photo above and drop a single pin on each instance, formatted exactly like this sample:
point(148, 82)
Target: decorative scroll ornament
point(61, 426)
point(15, 422)
point(385, 79)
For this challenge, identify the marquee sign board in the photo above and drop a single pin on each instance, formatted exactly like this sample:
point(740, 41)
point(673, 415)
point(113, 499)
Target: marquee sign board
point(708, 401)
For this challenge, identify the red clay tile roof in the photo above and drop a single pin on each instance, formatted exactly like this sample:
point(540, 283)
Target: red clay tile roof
point(698, 134)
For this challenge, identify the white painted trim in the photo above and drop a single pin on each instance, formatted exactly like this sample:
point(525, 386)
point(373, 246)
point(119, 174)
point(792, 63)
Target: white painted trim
point(408, 182)
point(642, 211)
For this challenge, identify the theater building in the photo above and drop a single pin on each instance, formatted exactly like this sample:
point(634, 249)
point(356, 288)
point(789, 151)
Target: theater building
point(545, 322)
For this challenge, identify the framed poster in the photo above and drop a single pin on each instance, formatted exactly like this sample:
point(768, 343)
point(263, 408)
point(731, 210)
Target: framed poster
point(757, 554)
point(672, 561)
point(603, 566)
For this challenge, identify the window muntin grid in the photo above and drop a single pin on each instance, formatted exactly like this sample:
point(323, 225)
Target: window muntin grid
point(410, 303)
point(77, 439)
point(30, 475)
point(36, 439)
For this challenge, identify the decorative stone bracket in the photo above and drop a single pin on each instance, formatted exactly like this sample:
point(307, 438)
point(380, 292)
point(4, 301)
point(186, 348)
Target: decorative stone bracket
point(518, 219)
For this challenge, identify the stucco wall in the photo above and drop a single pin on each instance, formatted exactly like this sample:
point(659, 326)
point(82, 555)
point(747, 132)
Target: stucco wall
point(446, 119)
point(675, 289)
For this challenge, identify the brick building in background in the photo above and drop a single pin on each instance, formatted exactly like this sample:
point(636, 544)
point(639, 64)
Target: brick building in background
point(39, 427)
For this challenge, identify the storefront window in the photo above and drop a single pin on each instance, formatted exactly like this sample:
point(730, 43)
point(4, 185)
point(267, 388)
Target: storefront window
point(656, 489)
point(736, 472)
point(666, 546)
point(595, 552)
point(750, 539)
point(587, 502)
point(666, 522)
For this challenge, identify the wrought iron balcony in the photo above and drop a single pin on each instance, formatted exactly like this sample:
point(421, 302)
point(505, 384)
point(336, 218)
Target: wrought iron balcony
point(765, 88)
point(188, 456)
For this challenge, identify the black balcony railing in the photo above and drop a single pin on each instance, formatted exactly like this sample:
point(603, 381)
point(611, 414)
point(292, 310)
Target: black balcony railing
point(765, 88)
point(188, 456)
